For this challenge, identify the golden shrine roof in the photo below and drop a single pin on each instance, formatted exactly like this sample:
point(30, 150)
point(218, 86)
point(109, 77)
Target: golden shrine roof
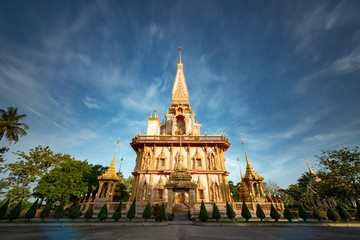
point(180, 91)
point(110, 173)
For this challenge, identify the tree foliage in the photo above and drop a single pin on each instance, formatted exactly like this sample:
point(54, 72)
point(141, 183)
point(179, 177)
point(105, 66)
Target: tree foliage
point(274, 214)
point(74, 212)
point(216, 213)
point(161, 214)
point(332, 215)
point(260, 213)
point(91, 178)
point(357, 210)
point(59, 212)
point(147, 212)
point(271, 188)
point(343, 212)
point(288, 214)
point(65, 182)
point(32, 211)
point(230, 212)
point(4, 208)
point(45, 213)
point(10, 127)
point(302, 212)
point(245, 213)
point(340, 172)
point(15, 212)
point(89, 213)
point(203, 215)
point(317, 214)
point(103, 214)
point(117, 214)
point(132, 211)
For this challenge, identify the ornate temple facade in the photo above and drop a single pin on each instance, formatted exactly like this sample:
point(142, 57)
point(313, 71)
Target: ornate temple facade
point(175, 163)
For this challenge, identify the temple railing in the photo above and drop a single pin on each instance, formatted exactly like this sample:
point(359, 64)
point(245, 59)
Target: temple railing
point(167, 138)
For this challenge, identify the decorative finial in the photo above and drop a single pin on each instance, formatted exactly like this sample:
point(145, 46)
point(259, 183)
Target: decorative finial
point(179, 54)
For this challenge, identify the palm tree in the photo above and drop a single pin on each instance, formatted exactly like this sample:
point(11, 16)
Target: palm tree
point(10, 126)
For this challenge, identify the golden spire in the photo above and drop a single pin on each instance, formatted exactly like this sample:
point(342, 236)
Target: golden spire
point(242, 178)
point(110, 172)
point(180, 93)
point(250, 173)
point(179, 55)
point(310, 170)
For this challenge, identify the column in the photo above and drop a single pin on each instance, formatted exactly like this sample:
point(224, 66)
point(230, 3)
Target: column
point(171, 157)
point(188, 157)
point(170, 196)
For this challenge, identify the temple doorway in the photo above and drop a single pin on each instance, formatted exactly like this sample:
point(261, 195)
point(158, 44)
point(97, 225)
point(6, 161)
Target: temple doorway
point(181, 197)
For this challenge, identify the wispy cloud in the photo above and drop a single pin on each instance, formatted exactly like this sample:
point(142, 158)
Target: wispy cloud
point(91, 103)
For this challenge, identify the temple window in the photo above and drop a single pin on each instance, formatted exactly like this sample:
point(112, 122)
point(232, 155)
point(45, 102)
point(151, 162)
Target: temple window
point(162, 162)
point(198, 162)
point(201, 194)
point(143, 196)
point(160, 194)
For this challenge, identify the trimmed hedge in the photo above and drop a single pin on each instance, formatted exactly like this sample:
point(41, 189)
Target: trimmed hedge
point(147, 212)
point(203, 215)
point(230, 212)
point(245, 213)
point(216, 213)
point(260, 213)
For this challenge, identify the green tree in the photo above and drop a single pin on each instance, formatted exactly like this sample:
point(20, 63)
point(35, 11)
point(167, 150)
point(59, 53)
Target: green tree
point(216, 213)
point(74, 212)
point(357, 210)
point(317, 214)
point(245, 213)
point(230, 212)
point(59, 212)
point(132, 211)
point(32, 211)
point(17, 193)
point(147, 212)
point(271, 188)
point(103, 214)
point(91, 178)
point(117, 214)
point(332, 215)
point(45, 213)
point(10, 127)
point(340, 173)
point(295, 191)
point(161, 215)
point(4, 208)
point(3, 183)
point(274, 214)
point(29, 168)
point(302, 212)
point(260, 213)
point(15, 212)
point(288, 214)
point(64, 183)
point(203, 215)
point(89, 213)
point(343, 212)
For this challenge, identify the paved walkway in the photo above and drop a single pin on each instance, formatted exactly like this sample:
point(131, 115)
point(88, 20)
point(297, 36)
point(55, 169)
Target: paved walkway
point(176, 231)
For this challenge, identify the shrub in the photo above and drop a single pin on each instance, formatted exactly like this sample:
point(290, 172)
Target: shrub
point(103, 214)
point(274, 214)
point(358, 209)
point(45, 213)
point(59, 212)
point(147, 212)
point(117, 214)
point(230, 212)
point(4, 208)
point(15, 212)
point(260, 213)
point(343, 212)
point(216, 213)
point(89, 213)
point(317, 214)
point(132, 211)
point(302, 212)
point(245, 213)
point(32, 211)
point(332, 215)
point(74, 212)
point(203, 215)
point(288, 214)
point(160, 215)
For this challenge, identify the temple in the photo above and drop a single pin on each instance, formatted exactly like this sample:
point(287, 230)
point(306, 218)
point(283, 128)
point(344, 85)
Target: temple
point(175, 163)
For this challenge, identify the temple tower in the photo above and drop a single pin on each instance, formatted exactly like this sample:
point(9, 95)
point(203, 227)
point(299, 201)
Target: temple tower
point(251, 185)
point(175, 164)
point(109, 184)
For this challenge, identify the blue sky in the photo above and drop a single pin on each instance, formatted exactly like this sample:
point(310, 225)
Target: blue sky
point(283, 75)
